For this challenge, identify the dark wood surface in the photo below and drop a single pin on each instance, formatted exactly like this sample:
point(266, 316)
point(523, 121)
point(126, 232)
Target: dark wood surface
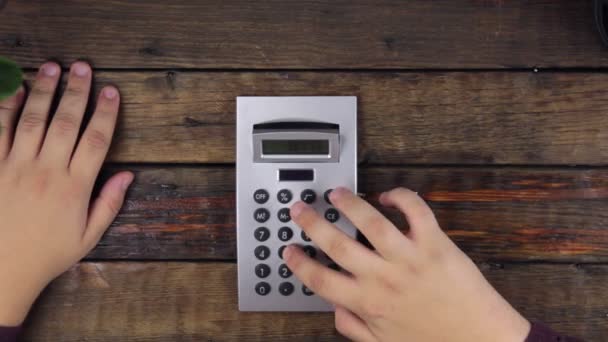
point(494, 214)
point(169, 301)
point(341, 34)
point(493, 110)
point(404, 117)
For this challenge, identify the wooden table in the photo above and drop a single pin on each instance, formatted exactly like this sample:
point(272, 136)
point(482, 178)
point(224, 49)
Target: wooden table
point(495, 111)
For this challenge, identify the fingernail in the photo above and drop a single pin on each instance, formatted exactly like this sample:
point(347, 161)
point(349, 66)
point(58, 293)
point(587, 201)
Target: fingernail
point(50, 69)
point(380, 198)
point(110, 93)
point(126, 182)
point(287, 252)
point(80, 69)
point(296, 209)
point(337, 193)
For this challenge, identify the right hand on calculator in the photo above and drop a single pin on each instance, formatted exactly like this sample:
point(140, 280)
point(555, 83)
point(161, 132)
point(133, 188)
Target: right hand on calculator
point(417, 286)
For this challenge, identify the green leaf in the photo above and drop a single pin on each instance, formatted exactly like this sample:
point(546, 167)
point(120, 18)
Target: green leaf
point(11, 78)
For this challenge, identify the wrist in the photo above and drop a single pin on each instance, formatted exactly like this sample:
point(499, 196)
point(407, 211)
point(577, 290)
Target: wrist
point(16, 299)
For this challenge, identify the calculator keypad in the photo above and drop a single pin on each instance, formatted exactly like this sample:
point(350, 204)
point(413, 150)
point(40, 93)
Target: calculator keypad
point(285, 233)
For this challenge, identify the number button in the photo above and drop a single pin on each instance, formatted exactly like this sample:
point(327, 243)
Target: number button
point(308, 196)
point(281, 251)
point(326, 196)
point(285, 234)
point(262, 270)
point(262, 288)
point(284, 215)
point(286, 288)
point(332, 215)
point(310, 250)
point(304, 236)
point(284, 271)
point(260, 196)
point(261, 234)
point(261, 215)
point(306, 291)
point(284, 196)
point(262, 252)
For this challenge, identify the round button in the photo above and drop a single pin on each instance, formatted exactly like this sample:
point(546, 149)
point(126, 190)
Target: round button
point(261, 215)
point(284, 215)
point(332, 215)
point(304, 236)
point(261, 252)
point(262, 288)
point(285, 234)
point(284, 271)
point(306, 291)
point(286, 288)
point(284, 196)
point(281, 251)
point(261, 234)
point(310, 250)
point(326, 196)
point(262, 270)
point(308, 196)
point(260, 196)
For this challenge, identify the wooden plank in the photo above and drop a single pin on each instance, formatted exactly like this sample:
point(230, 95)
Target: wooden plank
point(304, 34)
point(412, 118)
point(493, 214)
point(198, 301)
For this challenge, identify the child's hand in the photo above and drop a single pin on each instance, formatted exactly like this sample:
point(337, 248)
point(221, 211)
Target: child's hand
point(47, 222)
point(414, 287)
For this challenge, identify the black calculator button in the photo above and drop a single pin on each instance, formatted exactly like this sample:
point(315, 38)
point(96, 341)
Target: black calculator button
point(262, 270)
point(261, 234)
point(286, 288)
point(262, 252)
point(284, 196)
point(262, 288)
point(284, 271)
point(260, 196)
point(304, 236)
point(310, 250)
point(326, 196)
point(332, 215)
point(306, 291)
point(284, 215)
point(308, 196)
point(261, 215)
point(281, 251)
point(285, 234)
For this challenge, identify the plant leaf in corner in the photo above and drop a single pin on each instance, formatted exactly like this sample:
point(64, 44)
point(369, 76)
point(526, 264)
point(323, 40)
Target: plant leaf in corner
point(11, 78)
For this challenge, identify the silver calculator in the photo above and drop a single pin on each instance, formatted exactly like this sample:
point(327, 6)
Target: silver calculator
point(288, 149)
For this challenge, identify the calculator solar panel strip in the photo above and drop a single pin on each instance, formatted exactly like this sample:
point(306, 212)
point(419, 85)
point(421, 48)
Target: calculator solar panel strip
point(288, 149)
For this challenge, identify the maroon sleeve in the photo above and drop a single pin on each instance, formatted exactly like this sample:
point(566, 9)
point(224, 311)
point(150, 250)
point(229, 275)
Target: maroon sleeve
point(9, 334)
point(541, 333)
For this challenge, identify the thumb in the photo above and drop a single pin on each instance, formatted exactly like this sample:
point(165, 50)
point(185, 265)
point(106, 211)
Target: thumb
point(105, 208)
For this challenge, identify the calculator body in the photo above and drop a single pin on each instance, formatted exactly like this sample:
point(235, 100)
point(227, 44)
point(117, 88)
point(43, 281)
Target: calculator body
point(288, 149)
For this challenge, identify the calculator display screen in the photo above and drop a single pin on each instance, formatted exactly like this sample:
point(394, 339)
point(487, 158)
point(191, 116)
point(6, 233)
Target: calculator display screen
point(298, 147)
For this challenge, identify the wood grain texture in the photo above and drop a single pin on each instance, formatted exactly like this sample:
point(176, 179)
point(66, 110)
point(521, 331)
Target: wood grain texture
point(304, 34)
point(493, 214)
point(404, 118)
point(196, 302)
